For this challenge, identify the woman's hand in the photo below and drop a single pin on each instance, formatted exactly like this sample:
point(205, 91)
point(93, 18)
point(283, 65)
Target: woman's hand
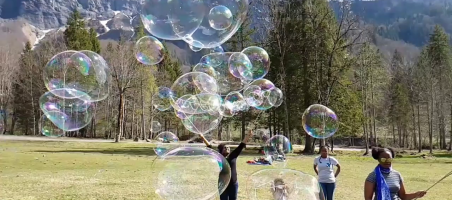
point(420, 194)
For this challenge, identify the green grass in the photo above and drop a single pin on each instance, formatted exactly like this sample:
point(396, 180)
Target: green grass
point(65, 170)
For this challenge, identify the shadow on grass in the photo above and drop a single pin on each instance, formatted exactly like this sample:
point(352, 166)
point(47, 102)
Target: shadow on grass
point(134, 151)
point(426, 155)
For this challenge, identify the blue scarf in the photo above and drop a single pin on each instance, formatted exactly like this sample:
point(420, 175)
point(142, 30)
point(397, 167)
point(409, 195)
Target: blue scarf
point(382, 190)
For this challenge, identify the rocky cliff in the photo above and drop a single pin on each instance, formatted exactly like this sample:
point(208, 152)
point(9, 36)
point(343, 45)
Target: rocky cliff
point(48, 14)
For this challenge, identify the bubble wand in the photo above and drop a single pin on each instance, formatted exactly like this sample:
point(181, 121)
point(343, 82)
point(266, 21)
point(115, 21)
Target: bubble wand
point(444, 177)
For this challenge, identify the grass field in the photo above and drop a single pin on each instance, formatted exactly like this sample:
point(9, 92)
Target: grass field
point(76, 170)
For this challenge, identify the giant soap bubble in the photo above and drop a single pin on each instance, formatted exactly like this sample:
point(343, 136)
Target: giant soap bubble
point(103, 76)
point(253, 95)
point(155, 126)
point(172, 19)
point(226, 81)
point(266, 86)
point(202, 123)
point(149, 50)
point(47, 127)
point(220, 17)
point(275, 97)
point(166, 141)
point(192, 173)
point(73, 70)
point(240, 65)
point(215, 30)
point(68, 114)
point(320, 121)
point(276, 148)
point(260, 63)
point(233, 103)
point(187, 87)
point(282, 184)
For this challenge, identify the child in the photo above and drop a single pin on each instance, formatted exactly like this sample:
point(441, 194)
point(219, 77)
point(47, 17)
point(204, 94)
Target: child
point(280, 190)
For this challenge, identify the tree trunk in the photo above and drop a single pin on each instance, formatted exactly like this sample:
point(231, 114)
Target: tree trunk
point(306, 83)
point(450, 132)
point(413, 116)
point(430, 125)
point(419, 127)
point(132, 130)
point(393, 135)
point(143, 121)
point(120, 118)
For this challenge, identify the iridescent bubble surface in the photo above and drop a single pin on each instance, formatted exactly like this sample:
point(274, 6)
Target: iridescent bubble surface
point(233, 103)
point(201, 67)
point(47, 127)
point(282, 184)
point(275, 97)
point(161, 103)
point(253, 95)
point(103, 76)
point(155, 126)
point(211, 170)
point(149, 50)
point(166, 141)
point(202, 123)
point(172, 19)
point(226, 81)
point(209, 37)
point(71, 70)
point(260, 61)
point(276, 149)
point(220, 17)
point(187, 87)
point(68, 114)
point(320, 121)
point(266, 86)
point(240, 66)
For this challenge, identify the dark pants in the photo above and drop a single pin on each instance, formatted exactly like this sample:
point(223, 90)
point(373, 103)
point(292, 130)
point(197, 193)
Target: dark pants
point(231, 192)
point(328, 190)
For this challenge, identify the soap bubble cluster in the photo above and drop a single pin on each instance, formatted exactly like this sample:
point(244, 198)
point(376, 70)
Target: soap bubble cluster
point(75, 80)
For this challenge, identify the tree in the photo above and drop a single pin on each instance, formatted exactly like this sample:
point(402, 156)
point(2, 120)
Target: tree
point(440, 60)
point(124, 68)
point(8, 72)
point(95, 43)
point(76, 36)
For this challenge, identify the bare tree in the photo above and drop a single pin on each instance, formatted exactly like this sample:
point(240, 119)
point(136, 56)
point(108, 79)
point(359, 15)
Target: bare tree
point(124, 69)
point(8, 73)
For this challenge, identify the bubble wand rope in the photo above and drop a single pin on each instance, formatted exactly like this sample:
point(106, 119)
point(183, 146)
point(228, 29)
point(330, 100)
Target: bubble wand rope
point(192, 138)
point(257, 118)
point(444, 177)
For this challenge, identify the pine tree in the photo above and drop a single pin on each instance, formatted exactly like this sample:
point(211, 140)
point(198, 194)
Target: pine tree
point(440, 60)
point(95, 43)
point(139, 31)
point(26, 92)
point(76, 36)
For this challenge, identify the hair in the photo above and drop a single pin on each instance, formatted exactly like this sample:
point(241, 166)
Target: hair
point(321, 147)
point(278, 181)
point(221, 147)
point(377, 151)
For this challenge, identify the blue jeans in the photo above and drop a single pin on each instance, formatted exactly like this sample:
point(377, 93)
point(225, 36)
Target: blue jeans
point(231, 192)
point(328, 190)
